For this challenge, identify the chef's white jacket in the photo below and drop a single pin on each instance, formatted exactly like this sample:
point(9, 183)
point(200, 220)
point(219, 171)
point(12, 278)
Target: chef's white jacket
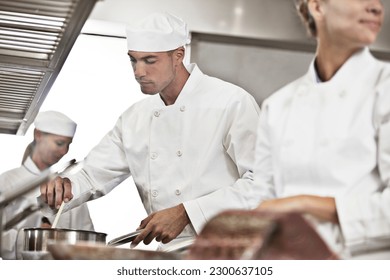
point(333, 139)
point(198, 151)
point(78, 218)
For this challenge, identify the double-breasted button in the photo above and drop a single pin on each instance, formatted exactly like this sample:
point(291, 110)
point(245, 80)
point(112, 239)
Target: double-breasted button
point(156, 114)
point(179, 153)
point(182, 108)
point(153, 155)
point(154, 193)
point(177, 192)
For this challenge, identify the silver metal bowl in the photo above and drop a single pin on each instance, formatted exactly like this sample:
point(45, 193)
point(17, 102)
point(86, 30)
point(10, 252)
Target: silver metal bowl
point(37, 239)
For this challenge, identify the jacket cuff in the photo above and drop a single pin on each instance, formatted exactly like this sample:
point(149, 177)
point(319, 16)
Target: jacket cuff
point(194, 212)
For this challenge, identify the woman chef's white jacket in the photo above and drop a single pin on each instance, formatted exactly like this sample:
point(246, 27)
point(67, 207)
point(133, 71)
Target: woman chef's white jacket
point(78, 218)
point(333, 139)
point(198, 151)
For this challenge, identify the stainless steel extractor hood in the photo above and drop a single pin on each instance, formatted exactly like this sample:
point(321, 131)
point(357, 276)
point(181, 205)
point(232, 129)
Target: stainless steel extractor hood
point(36, 36)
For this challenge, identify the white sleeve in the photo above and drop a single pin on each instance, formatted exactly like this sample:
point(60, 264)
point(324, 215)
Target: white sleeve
point(264, 173)
point(239, 143)
point(104, 168)
point(365, 220)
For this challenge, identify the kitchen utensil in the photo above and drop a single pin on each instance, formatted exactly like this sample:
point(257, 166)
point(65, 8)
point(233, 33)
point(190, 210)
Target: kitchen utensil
point(127, 238)
point(36, 240)
point(88, 251)
point(57, 218)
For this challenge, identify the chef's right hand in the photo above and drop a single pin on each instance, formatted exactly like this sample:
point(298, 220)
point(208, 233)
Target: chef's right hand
point(55, 191)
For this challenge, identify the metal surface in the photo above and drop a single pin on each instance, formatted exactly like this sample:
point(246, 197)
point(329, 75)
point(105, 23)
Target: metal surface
point(87, 251)
point(231, 235)
point(36, 36)
point(37, 239)
point(273, 22)
point(127, 238)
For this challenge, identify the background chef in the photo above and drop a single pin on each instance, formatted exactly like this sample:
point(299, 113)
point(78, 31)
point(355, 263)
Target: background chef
point(324, 140)
point(189, 146)
point(53, 135)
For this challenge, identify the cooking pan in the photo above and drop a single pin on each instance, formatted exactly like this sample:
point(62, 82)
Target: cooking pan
point(87, 251)
point(37, 239)
point(82, 251)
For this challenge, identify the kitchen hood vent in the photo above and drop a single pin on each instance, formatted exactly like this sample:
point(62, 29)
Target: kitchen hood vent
point(36, 37)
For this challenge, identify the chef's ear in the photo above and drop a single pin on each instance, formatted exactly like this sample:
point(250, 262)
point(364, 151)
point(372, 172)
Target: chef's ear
point(316, 9)
point(37, 134)
point(179, 53)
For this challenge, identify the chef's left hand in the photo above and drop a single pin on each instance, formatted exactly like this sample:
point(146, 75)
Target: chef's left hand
point(323, 208)
point(164, 225)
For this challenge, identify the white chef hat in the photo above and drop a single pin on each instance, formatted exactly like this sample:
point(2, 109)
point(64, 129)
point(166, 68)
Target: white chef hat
point(158, 32)
point(55, 123)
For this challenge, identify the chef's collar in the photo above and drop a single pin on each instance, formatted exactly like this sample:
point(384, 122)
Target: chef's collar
point(352, 65)
point(317, 77)
point(31, 167)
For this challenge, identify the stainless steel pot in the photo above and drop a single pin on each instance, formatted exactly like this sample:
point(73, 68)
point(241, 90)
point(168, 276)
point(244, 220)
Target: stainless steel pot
point(37, 239)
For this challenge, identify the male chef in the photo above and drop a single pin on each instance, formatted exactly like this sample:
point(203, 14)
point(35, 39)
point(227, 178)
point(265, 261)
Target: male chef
point(188, 146)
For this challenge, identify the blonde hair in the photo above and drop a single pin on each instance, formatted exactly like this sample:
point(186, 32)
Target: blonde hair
point(306, 17)
point(28, 151)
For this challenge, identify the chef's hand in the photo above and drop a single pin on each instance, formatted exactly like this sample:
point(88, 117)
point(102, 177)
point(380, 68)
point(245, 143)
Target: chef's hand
point(55, 191)
point(323, 208)
point(45, 223)
point(164, 225)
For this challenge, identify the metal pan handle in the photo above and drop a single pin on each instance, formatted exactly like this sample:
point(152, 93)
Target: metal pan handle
point(127, 238)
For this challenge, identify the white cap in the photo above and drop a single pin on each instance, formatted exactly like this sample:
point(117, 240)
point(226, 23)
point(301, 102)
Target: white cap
point(158, 32)
point(55, 123)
